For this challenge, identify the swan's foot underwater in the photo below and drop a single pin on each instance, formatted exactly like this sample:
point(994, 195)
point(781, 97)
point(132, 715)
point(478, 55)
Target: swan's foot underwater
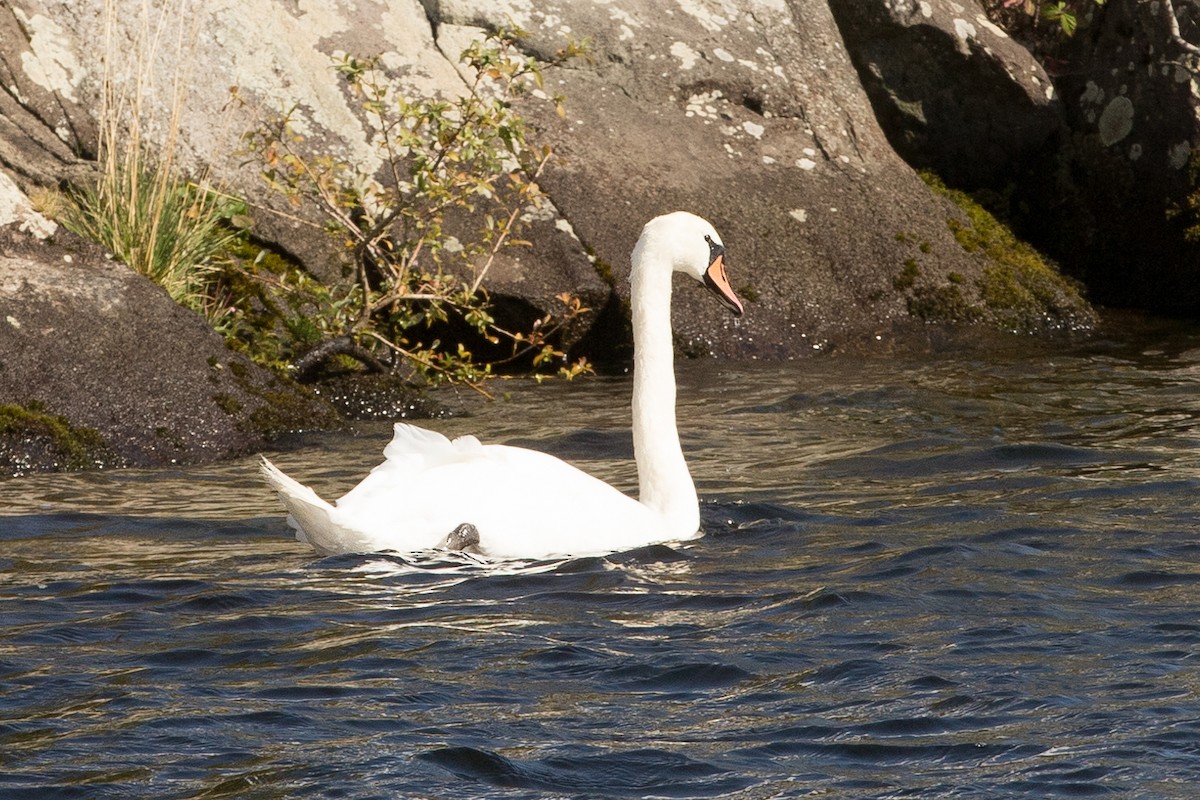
point(463, 538)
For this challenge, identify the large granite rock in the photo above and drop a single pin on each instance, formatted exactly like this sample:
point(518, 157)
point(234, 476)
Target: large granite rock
point(749, 112)
point(99, 367)
point(752, 115)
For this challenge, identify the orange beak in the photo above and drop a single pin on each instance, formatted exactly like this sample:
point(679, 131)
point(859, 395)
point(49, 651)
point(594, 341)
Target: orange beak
point(716, 279)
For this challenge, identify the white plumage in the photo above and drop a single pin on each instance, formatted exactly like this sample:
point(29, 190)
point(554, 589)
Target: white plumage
point(524, 503)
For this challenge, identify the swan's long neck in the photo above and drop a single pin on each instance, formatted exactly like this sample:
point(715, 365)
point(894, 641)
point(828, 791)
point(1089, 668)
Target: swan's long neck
point(664, 482)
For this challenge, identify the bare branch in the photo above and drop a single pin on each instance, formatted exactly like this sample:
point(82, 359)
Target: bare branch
point(1173, 27)
point(503, 236)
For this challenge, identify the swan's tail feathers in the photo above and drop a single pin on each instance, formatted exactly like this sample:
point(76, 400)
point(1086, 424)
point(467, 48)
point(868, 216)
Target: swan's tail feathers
point(311, 516)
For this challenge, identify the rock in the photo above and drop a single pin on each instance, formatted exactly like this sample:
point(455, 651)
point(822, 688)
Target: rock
point(16, 209)
point(749, 113)
point(99, 367)
point(951, 90)
point(46, 122)
point(1130, 94)
point(755, 119)
point(1097, 170)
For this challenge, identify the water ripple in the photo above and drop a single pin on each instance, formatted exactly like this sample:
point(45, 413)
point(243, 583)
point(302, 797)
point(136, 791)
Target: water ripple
point(931, 579)
point(629, 773)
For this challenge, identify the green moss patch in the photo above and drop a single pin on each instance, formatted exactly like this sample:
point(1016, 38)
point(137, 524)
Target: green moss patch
point(32, 439)
point(1019, 289)
point(908, 276)
point(942, 304)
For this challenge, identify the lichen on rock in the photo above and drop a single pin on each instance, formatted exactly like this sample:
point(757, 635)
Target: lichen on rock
point(1116, 121)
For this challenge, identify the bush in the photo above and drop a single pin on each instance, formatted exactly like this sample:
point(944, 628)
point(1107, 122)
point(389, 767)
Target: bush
point(466, 156)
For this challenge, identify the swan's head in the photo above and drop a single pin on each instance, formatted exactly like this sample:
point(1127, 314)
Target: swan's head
point(692, 246)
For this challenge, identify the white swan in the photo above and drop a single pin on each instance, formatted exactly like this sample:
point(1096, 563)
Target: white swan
point(520, 503)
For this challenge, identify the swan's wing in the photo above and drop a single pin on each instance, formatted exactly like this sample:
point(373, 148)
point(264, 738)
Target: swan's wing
point(524, 503)
point(412, 452)
point(409, 442)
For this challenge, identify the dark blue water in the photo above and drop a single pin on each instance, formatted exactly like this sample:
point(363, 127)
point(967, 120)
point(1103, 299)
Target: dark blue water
point(945, 578)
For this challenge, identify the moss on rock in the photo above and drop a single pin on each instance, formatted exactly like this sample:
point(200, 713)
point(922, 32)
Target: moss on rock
point(908, 276)
point(29, 429)
point(942, 304)
point(1018, 289)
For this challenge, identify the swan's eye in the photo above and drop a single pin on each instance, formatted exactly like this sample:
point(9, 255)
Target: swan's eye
point(714, 249)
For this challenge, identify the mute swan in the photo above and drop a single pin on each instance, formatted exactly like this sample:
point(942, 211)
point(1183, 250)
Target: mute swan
point(509, 502)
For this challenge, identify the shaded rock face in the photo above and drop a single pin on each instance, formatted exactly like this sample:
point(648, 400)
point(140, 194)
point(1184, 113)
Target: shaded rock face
point(88, 340)
point(1094, 171)
point(951, 90)
point(1133, 104)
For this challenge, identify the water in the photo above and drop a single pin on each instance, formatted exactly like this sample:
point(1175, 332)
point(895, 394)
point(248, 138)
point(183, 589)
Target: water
point(958, 577)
